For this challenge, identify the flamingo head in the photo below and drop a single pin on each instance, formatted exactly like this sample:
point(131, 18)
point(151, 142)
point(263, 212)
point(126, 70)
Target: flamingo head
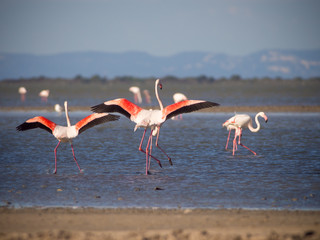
point(225, 124)
point(158, 83)
point(262, 114)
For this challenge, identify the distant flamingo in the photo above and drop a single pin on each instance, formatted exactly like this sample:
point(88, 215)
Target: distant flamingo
point(179, 97)
point(44, 94)
point(66, 134)
point(22, 91)
point(237, 123)
point(147, 96)
point(136, 93)
point(58, 108)
point(152, 119)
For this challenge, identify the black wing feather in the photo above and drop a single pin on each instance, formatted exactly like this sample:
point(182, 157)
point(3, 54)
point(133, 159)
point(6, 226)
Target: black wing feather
point(107, 118)
point(26, 126)
point(192, 108)
point(101, 108)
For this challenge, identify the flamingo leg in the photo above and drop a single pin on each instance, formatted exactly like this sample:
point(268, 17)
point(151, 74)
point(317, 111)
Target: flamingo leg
point(228, 139)
point(248, 149)
point(244, 145)
point(169, 159)
point(74, 157)
point(55, 157)
point(235, 147)
point(141, 150)
point(150, 153)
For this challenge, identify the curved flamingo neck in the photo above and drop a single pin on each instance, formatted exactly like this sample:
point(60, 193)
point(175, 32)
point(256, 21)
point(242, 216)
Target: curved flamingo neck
point(157, 95)
point(251, 128)
point(67, 115)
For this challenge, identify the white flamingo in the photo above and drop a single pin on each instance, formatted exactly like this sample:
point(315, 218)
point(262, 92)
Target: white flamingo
point(136, 93)
point(237, 123)
point(179, 97)
point(66, 134)
point(44, 94)
point(22, 91)
point(58, 108)
point(147, 96)
point(151, 118)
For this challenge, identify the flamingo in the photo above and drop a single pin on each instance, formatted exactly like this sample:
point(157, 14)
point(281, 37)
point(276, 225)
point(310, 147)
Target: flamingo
point(136, 93)
point(44, 94)
point(237, 123)
point(66, 134)
point(58, 108)
point(152, 119)
point(147, 96)
point(22, 91)
point(178, 97)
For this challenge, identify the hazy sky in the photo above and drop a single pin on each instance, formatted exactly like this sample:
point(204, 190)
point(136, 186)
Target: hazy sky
point(158, 27)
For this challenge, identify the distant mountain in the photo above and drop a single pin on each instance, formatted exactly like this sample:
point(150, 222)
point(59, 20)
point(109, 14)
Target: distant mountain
point(270, 63)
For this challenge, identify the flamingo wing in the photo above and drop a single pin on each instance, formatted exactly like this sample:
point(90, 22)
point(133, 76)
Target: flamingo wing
point(186, 107)
point(37, 122)
point(120, 105)
point(93, 120)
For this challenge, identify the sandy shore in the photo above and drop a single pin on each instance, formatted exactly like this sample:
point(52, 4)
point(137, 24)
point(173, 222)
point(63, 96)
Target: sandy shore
point(232, 109)
point(89, 223)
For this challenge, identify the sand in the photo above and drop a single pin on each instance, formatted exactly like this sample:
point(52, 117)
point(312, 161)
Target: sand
point(145, 224)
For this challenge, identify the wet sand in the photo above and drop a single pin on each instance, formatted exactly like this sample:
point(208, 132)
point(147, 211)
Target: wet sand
point(232, 109)
point(90, 223)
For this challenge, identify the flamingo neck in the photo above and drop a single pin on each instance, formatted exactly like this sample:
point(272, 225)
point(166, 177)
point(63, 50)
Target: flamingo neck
point(157, 95)
point(251, 128)
point(67, 115)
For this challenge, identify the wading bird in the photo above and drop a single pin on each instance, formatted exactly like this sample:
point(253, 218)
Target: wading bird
point(58, 108)
point(179, 97)
point(136, 94)
point(66, 134)
point(152, 119)
point(44, 94)
point(237, 123)
point(22, 91)
point(147, 96)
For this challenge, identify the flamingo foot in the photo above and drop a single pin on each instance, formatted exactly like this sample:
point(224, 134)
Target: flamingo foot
point(170, 161)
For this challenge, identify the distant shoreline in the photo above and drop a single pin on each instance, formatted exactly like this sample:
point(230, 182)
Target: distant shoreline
point(146, 223)
point(227, 109)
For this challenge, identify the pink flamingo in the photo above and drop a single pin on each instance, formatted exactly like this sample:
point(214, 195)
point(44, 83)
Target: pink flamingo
point(44, 94)
point(136, 93)
point(66, 134)
point(22, 92)
point(147, 96)
point(237, 123)
point(152, 119)
point(179, 97)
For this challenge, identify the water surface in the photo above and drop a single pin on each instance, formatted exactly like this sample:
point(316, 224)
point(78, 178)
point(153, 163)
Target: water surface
point(284, 175)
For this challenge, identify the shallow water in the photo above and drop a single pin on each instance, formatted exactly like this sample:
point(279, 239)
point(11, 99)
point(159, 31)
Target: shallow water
point(284, 175)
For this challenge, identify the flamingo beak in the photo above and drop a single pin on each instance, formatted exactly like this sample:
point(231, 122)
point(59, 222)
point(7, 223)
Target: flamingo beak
point(160, 86)
point(266, 119)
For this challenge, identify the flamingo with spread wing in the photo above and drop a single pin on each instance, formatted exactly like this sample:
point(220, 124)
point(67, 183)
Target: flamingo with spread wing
point(66, 134)
point(152, 119)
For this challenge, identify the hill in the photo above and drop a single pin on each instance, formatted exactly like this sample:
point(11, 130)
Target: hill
point(270, 63)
